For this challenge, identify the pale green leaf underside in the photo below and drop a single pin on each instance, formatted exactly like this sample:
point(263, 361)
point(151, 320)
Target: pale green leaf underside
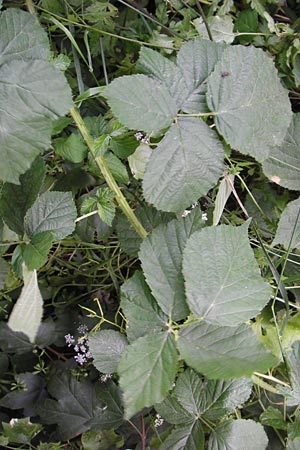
point(141, 103)
point(185, 165)
point(293, 444)
point(230, 289)
point(283, 164)
point(27, 313)
point(107, 347)
point(161, 257)
point(185, 437)
point(252, 108)
point(288, 231)
point(32, 92)
point(52, 211)
point(223, 352)
point(140, 308)
point(238, 435)
point(147, 371)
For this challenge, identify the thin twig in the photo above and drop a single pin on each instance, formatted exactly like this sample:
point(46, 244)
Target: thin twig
point(204, 19)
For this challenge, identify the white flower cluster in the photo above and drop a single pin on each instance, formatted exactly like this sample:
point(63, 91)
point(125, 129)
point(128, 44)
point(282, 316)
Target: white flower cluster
point(104, 377)
point(80, 345)
point(158, 421)
point(142, 138)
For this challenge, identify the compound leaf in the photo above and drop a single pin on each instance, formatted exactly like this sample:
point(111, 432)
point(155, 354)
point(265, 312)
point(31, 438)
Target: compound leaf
point(147, 371)
point(142, 313)
point(107, 347)
point(27, 313)
point(283, 164)
point(252, 109)
point(238, 434)
point(161, 257)
point(52, 211)
point(185, 165)
point(223, 352)
point(288, 230)
point(141, 103)
point(230, 289)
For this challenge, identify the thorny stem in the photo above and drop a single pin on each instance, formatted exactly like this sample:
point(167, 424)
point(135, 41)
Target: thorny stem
point(204, 19)
point(101, 163)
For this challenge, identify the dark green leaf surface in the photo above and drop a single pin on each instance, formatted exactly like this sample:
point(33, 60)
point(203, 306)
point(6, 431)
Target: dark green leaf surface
point(141, 103)
point(107, 347)
point(185, 165)
point(185, 437)
point(161, 257)
point(223, 352)
point(283, 164)
point(76, 403)
point(21, 196)
point(238, 435)
point(230, 289)
point(28, 106)
point(147, 371)
point(288, 230)
point(140, 308)
point(252, 108)
point(172, 411)
point(149, 218)
point(273, 418)
point(14, 342)
point(28, 399)
point(52, 211)
point(72, 148)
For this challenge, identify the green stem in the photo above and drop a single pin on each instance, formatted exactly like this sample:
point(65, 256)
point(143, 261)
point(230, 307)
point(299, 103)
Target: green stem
point(264, 385)
point(111, 182)
point(31, 7)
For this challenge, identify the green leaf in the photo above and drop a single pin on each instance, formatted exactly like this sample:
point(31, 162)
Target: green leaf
point(238, 434)
point(225, 189)
point(106, 206)
point(252, 109)
point(4, 269)
point(28, 399)
point(172, 411)
point(141, 103)
point(27, 313)
point(185, 437)
point(22, 37)
point(272, 417)
point(58, 125)
point(156, 65)
point(247, 21)
point(283, 164)
point(76, 403)
point(185, 165)
point(223, 352)
point(35, 253)
point(107, 347)
point(161, 257)
point(71, 148)
point(138, 160)
point(230, 290)
point(196, 60)
point(292, 361)
point(29, 108)
point(52, 211)
point(21, 196)
point(211, 398)
point(91, 440)
point(288, 231)
point(221, 28)
point(14, 342)
point(149, 218)
point(294, 427)
point(21, 431)
point(112, 415)
point(147, 371)
point(117, 168)
point(142, 313)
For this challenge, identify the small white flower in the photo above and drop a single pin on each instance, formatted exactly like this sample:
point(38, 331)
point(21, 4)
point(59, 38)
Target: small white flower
point(82, 329)
point(158, 421)
point(69, 340)
point(204, 217)
point(12, 422)
point(186, 212)
point(81, 359)
point(105, 377)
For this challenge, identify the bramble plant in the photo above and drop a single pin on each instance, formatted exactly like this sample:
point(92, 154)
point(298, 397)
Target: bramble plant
point(149, 226)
